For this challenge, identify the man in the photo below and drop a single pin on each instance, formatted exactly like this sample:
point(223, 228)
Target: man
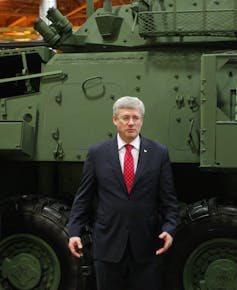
point(137, 212)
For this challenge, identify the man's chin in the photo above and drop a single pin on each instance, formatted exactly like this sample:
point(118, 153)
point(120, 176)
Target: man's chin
point(131, 136)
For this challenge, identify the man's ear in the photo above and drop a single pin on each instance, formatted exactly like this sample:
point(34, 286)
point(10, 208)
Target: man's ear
point(115, 120)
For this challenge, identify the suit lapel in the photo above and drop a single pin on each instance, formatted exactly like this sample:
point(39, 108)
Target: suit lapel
point(114, 159)
point(142, 160)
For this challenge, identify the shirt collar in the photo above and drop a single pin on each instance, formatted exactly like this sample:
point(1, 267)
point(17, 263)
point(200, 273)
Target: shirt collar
point(135, 143)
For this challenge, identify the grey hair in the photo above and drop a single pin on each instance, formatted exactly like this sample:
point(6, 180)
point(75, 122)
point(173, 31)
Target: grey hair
point(130, 103)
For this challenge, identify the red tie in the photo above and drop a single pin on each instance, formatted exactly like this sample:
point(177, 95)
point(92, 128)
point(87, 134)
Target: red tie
point(128, 167)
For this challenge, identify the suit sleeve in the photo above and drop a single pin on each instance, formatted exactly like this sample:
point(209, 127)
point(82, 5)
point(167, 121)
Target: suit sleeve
point(168, 200)
point(82, 205)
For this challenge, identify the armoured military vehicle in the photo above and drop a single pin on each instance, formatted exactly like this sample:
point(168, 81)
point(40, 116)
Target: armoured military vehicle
point(179, 57)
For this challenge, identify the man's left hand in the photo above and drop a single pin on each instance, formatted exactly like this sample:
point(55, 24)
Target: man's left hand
point(168, 240)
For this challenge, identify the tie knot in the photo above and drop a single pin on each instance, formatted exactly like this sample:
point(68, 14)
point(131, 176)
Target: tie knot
point(128, 147)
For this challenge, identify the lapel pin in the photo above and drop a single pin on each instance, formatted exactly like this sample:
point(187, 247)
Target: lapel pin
point(145, 150)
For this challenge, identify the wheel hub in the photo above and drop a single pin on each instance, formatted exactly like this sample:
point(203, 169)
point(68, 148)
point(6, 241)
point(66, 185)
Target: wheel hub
point(23, 271)
point(212, 266)
point(27, 262)
point(222, 275)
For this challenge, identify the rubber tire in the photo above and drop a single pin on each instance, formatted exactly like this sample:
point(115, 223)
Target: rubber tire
point(47, 219)
point(201, 221)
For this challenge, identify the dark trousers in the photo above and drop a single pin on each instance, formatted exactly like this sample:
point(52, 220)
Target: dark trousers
point(128, 274)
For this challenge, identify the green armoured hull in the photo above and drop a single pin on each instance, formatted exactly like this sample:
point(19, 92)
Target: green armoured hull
point(179, 59)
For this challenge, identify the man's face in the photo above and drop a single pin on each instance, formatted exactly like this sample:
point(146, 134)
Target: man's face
point(128, 123)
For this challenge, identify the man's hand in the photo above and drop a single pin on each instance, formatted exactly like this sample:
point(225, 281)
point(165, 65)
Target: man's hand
point(75, 246)
point(168, 240)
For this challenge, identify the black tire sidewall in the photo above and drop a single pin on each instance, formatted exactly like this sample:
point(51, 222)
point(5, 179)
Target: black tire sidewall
point(189, 237)
point(54, 234)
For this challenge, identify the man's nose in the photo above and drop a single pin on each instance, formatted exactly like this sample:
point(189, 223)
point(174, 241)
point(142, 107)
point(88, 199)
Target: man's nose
point(131, 121)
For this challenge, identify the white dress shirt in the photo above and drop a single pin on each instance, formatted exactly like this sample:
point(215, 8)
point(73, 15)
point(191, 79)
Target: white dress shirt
point(135, 151)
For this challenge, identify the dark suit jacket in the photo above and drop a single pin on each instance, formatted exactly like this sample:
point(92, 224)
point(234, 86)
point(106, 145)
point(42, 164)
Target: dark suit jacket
point(138, 216)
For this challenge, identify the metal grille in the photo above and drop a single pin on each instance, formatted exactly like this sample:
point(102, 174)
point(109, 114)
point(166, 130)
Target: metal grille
point(217, 23)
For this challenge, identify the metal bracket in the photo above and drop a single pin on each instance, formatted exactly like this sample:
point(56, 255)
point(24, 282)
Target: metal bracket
point(3, 106)
point(58, 153)
point(180, 101)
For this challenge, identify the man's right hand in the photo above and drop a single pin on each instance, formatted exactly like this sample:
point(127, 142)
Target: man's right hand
point(75, 246)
